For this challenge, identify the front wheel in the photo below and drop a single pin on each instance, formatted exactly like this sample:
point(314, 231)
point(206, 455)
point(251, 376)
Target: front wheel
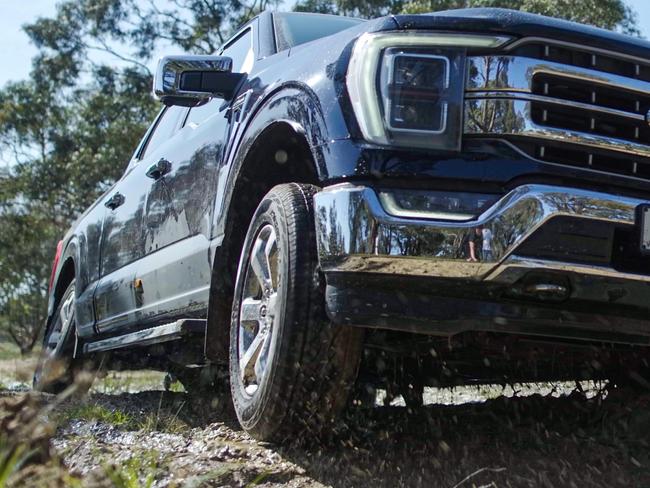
point(290, 368)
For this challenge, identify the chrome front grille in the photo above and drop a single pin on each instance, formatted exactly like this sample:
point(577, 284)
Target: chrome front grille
point(585, 57)
point(564, 104)
point(590, 108)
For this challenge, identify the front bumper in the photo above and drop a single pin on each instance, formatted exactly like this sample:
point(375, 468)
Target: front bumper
point(357, 238)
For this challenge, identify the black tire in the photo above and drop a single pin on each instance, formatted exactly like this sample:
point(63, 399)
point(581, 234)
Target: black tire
point(309, 365)
point(207, 388)
point(55, 370)
point(411, 386)
point(206, 381)
point(413, 395)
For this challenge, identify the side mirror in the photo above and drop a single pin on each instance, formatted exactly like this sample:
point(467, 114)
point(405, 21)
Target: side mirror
point(187, 80)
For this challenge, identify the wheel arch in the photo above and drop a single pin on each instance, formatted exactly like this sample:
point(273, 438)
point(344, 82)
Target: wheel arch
point(66, 273)
point(291, 120)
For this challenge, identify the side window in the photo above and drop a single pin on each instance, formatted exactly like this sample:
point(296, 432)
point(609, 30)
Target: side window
point(241, 52)
point(198, 114)
point(165, 128)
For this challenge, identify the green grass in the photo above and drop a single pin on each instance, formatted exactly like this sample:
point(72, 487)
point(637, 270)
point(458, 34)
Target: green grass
point(176, 387)
point(136, 472)
point(95, 412)
point(162, 423)
point(9, 350)
point(150, 422)
point(116, 382)
point(219, 476)
point(11, 459)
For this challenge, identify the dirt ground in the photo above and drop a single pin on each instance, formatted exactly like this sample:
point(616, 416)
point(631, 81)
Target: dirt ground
point(130, 432)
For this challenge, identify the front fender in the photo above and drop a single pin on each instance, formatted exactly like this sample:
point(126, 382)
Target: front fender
point(295, 105)
point(298, 105)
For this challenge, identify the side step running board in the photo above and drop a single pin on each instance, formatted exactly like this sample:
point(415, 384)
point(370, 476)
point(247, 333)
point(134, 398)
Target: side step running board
point(154, 335)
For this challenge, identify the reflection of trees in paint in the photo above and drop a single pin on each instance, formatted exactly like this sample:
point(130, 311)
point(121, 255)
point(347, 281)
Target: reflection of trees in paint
point(329, 231)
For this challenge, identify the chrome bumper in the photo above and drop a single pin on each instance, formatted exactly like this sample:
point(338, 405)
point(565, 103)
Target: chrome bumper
point(355, 234)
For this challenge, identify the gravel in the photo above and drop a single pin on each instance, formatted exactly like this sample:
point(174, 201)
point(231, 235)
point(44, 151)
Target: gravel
point(532, 435)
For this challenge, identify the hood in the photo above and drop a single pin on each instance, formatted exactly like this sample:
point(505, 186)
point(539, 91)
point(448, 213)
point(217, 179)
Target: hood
point(521, 24)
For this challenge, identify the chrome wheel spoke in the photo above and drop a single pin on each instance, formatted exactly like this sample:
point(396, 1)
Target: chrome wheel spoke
point(260, 259)
point(258, 309)
point(260, 265)
point(66, 318)
point(248, 359)
point(269, 248)
point(67, 313)
point(272, 304)
point(250, 310)
point(262, 357)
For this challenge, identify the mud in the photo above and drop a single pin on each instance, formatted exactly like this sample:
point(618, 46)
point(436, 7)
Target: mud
point(549, 435)
point(518, 441)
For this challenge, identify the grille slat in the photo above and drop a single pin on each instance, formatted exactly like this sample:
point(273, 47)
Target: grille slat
point(605, 124)
point(566, 104)
point(591, 120)
point(584, 58)
point(576, 156)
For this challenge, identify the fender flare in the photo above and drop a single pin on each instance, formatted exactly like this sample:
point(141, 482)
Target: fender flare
point(294, 104)
point(297, 106)
point(69, 253)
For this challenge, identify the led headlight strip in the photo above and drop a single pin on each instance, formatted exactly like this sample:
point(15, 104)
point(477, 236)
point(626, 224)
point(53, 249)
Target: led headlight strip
point(366, 60)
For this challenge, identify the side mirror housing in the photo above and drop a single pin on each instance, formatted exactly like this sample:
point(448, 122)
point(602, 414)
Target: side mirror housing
point(188, 79)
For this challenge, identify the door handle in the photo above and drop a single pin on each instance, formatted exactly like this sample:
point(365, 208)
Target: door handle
point(115, 201)
point(159, 169)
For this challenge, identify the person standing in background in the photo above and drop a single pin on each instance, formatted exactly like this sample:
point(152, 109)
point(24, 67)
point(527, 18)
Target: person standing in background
point(474, 242)
point(487, 244)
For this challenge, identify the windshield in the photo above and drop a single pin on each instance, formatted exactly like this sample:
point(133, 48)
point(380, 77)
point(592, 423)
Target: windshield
point(294, 28)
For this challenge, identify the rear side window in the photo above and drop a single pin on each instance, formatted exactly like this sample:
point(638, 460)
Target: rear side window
point(294, 28)
point(165, 128)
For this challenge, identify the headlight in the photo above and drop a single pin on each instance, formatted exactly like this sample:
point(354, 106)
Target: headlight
point(438, 205)
point(407, 88)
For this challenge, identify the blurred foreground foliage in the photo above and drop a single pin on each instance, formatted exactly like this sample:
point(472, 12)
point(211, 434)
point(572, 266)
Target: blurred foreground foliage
point(67, 133)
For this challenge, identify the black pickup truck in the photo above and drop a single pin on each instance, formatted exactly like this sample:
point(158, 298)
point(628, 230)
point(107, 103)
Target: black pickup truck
point(416, 200)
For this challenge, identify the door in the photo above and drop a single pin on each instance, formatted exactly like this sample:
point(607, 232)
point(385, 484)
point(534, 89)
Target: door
point(89, 234)
point(175, 275)
point(122, 245)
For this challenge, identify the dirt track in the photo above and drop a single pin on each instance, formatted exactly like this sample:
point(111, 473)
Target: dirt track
point(523, 441)
point(532, 441)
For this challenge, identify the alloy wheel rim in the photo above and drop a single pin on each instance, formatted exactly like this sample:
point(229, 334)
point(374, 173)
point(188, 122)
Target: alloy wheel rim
point(52, 366)
point(55, 339)
point(258, 310)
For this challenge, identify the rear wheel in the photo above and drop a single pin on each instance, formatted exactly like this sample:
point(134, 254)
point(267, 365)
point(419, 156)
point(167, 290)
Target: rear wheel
point(55, 367)
point(290, 368)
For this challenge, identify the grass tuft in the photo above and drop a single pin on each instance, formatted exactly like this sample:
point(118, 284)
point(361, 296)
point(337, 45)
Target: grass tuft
point(160, 421)
point(8, 351)
point(136, 472)
point(100, 413)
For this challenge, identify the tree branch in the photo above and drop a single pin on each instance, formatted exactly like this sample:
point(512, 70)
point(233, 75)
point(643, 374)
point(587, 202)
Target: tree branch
point(104, 48)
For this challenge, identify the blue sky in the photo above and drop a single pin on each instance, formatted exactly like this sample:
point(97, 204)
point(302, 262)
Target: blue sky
point(16, 51)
